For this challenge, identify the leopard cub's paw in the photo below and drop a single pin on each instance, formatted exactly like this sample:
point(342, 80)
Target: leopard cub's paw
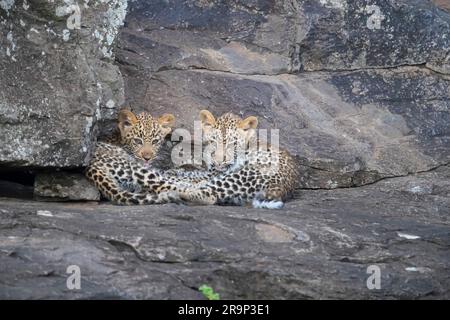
point(171, 196)
point(186, 195)
point(267, 204)
point(197, 197)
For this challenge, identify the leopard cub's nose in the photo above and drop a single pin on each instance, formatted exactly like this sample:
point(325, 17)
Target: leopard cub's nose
point(147, 156)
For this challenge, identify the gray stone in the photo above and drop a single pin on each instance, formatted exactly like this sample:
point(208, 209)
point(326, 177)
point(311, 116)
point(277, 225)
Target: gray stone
point(57, 79)
point(318, 247)
point(387, 116)
point(270, 37)
point(373, 34)
point(63, 186)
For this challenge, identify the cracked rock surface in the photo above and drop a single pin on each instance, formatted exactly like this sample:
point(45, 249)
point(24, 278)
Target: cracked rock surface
point(319, 246)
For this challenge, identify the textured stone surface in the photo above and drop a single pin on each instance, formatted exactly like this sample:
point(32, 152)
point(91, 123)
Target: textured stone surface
point(379, 108)
point(360, 34)
point(319, 246)
point(267, 37)
point(57, 79)
point(63, 186)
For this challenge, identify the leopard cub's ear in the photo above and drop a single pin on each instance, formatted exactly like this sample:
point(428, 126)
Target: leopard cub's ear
point(207, 119)
point(166, 121)
point(126, 120)
point(248, 123)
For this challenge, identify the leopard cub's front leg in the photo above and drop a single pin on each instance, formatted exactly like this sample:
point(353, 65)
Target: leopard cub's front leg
point(203, 196)
point(151, 180)
point(111, 189)
point(155, 181)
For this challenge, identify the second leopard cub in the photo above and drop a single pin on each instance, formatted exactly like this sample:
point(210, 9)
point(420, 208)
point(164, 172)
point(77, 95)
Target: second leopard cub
point(248, 170)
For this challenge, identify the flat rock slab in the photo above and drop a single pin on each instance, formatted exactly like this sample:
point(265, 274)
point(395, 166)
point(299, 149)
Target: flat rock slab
point(319, 246)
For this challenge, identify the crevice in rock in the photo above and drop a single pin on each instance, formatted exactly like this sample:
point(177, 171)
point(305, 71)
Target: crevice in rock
point(123, 246)
point(323, 70)
point(397, 66)
point(378, 180)
point(17, 184)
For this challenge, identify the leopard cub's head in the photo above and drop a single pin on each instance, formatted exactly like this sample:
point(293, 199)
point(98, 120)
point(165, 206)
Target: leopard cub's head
point(143, 135)
point(227, 137)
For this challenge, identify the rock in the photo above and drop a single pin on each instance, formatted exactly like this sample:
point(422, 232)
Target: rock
point(57, 79)
point(63, 186)
point(320, 246)
point(342, 35)
point(272, 37)
point(374, 103)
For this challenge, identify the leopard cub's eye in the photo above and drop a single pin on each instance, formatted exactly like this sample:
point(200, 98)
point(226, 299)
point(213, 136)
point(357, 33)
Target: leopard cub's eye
point(137, 141)
point(155, 141)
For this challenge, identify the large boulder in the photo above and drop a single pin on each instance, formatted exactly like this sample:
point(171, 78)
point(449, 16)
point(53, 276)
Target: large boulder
point(359, 91)
point(324, 245)
point(57, 79)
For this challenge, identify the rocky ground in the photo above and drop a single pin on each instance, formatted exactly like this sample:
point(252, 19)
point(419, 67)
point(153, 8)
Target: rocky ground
point(319, 246)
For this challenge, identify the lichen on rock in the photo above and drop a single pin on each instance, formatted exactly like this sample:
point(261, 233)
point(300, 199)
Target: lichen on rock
point(50, 63)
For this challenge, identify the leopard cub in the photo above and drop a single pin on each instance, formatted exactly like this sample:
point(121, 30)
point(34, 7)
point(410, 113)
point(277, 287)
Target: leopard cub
point(248, 170)
point(122, 169)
